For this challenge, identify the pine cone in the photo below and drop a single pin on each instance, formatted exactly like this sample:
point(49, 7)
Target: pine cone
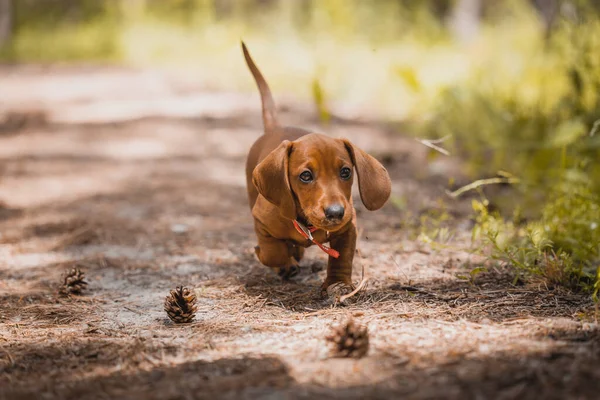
point(73, 282)
point(180, 305)
point(349, 339)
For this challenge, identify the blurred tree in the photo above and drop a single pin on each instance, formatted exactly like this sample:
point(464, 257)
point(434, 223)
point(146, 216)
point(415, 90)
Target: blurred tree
point(551, 11)
point(6, 21)
point(465, 19)
point(441, 8)
point(548, 10)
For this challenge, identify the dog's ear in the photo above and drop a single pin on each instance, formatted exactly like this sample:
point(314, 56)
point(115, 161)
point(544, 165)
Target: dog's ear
point(271, 180)
point(374, 183)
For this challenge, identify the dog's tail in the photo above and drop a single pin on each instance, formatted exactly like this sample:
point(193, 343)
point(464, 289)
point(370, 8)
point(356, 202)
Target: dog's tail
point(268, 105)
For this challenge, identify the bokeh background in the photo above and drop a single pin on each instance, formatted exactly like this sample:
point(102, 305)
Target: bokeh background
point(124, 128)
point(389, 57)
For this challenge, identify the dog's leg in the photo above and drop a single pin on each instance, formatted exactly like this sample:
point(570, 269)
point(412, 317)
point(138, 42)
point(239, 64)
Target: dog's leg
point(298, 252)
point(275, 254)
point(339, 270)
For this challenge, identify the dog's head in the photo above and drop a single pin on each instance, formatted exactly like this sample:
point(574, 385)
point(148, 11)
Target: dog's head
point(312, 177)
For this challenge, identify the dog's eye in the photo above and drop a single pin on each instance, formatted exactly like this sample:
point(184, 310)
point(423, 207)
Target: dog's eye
point(345, 173)
point(306, 177)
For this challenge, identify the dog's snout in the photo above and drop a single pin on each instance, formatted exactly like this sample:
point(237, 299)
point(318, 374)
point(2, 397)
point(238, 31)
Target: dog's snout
point(334, 211)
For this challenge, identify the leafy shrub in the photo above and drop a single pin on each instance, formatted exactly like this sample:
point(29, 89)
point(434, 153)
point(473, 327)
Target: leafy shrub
point(536, 117)
point(563, 245)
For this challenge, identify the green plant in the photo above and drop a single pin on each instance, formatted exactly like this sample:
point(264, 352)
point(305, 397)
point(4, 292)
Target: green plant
point(472, 275)
point(530, 113)
point(534, 112)
point(563, 245)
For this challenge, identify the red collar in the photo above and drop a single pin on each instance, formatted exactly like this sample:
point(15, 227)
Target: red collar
point(307, 234)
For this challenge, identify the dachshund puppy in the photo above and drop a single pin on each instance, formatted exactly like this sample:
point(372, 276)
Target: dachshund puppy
point(299, 189)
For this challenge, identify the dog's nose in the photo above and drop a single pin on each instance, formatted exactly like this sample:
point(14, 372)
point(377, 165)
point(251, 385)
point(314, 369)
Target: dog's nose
point(335, 211)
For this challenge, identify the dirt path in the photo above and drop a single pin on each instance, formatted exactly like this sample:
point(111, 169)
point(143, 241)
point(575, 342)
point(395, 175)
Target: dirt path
point(139, 178)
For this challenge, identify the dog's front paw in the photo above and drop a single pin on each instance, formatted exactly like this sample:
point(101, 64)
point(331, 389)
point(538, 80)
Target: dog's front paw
point(288, 272)
point(336, 291)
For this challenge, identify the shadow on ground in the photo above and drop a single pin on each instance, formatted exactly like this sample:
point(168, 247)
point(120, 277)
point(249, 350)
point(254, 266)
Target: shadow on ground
point(106, 369)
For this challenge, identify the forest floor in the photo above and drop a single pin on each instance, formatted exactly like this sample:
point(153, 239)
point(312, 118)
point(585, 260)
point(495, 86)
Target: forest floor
point(138, 178)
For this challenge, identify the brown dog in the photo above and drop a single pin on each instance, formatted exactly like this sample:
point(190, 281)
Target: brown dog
point(299, 188)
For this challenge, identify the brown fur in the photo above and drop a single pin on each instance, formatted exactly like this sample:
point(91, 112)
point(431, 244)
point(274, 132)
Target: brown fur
point(277, 195)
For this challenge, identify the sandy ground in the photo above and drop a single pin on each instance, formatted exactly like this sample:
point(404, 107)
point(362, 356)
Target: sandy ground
point(138, 178)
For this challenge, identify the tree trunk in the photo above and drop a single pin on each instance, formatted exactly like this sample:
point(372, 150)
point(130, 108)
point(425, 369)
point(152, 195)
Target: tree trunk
point(548, 10)
point(465, 19)
point(6, 21)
